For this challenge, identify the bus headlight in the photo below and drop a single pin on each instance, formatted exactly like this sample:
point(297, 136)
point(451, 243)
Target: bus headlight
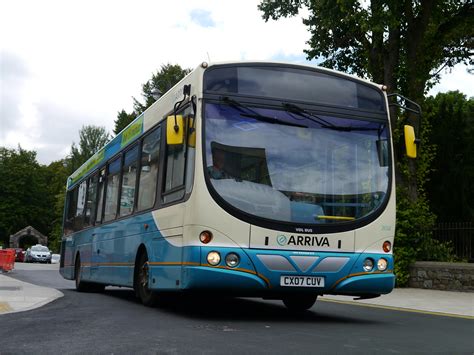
point(232, 260)
point(368, 265)
point(382, 264)
point(213, 258)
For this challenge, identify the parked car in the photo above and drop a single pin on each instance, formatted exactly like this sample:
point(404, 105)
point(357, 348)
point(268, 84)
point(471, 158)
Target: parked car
point(55, 258)
point(19, 254)
point(38, 253)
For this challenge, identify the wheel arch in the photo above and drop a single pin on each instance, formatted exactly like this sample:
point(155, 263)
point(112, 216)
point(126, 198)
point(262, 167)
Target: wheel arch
point(140, 251)
point(77, 256)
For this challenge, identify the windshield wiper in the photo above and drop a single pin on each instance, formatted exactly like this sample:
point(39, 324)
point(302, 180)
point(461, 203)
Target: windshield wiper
point(292, 108)
point(257, 116)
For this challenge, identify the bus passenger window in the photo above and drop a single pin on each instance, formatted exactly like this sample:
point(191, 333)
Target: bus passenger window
point(129, 178)
point(149, 170)
point(100, 195)
point(91, 201)
point(81, 201)
point(71, 211)
point(112, 188)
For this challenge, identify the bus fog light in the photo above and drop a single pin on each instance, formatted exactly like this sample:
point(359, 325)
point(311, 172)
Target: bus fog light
point(232, 260)
point(382, 264)
point(387, 246)
point(368, 265)
point(205, 237)
point(213, 258)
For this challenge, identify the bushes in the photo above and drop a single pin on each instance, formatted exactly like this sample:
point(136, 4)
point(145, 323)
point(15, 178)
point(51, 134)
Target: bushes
point(414, 237)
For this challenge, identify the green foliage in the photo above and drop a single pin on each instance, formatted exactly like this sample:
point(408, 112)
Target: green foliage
point(413, 240)
point(58, 172)
point(450, 187)
point(123, 120)
point(164, 79)
point(24, 193)
point(91, 139)
point(402, 43)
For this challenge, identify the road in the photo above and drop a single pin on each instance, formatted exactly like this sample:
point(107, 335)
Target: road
point(115, 323)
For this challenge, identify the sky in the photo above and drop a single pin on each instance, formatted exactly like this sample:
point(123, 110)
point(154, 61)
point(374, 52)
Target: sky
point(66, 64)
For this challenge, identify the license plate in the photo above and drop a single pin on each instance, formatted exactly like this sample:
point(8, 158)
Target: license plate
point(302, 281)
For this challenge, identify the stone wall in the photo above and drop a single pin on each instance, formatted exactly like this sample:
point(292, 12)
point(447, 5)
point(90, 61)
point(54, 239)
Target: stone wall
point(442, 276)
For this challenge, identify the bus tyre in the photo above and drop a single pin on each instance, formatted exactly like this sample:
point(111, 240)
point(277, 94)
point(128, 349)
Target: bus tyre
point(83, 286)
point(148, 297)
point(299, 303)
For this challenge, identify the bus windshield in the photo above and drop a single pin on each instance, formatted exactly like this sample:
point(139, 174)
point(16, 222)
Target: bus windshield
point(297, 167)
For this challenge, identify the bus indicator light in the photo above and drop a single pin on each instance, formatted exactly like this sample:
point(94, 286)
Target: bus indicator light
point(205, 237)
point(387, 246)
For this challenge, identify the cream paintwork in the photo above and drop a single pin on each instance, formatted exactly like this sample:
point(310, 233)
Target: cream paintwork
point(200, 212)
point(370, 238)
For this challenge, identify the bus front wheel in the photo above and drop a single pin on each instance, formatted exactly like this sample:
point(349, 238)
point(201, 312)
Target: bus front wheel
point(299, 303)
point(148, 297)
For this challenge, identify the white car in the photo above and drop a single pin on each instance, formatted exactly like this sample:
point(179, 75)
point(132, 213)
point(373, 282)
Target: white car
point(38, 254)
point(55, 258)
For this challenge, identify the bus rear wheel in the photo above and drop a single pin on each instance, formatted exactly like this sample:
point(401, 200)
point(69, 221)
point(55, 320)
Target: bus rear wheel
point(299, 303)
point(83, 286)
point(148, 297)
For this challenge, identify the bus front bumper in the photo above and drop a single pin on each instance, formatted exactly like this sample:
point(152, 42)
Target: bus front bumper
point(365, 284)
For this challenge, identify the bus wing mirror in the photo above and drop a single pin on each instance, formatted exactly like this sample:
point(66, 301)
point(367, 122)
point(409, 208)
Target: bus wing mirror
point(174, 130)
point(410, 141)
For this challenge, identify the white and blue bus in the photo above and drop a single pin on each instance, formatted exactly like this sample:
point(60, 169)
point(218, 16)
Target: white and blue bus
point(251, 179)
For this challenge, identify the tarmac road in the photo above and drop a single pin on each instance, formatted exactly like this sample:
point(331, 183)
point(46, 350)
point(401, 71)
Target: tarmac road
point(114, 322)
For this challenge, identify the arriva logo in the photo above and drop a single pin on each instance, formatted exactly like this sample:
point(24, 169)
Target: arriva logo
point(299, 240)
point(281, 239)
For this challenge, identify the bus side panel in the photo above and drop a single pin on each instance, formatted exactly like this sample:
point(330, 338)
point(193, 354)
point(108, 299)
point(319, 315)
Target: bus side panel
point(115, 247)
point(165, 263)
point(166, 250)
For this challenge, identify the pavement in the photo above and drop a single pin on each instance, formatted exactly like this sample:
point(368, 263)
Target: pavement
point(18, 296)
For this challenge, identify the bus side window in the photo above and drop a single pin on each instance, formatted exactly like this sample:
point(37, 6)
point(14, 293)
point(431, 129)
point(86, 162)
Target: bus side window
point(112, 190)
point(81, 201)
point(91, 201)
point(101, 182)
point(175, 169)
point(129, 179)
point(149, 170)
point(70, 211)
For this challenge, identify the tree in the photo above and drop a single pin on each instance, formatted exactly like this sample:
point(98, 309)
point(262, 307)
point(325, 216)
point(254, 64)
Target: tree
point(24, 195)
point(404, 44)
point(123, 120)
point(91, 139)
point(401, 43)
point(450, 187)
point(164, 79)
point(57, 173)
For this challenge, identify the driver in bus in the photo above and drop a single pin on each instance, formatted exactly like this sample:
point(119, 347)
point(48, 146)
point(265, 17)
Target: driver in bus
point(216, 170)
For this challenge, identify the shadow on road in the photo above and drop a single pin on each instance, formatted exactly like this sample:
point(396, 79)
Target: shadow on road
point(225, 308)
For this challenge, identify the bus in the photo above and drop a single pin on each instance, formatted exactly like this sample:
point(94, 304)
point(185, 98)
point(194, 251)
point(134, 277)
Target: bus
point(252, 179)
